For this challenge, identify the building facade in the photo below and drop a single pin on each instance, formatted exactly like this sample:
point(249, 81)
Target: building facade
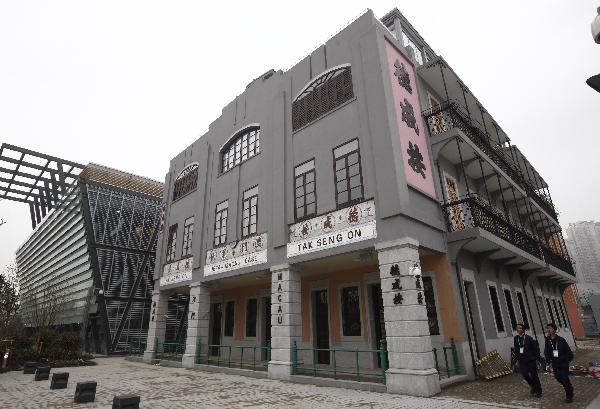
point(583, 242)
point(362, 199)
point(91, 254)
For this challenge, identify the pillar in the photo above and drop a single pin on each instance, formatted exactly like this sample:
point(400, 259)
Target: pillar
point(286, 319)
point(158, 323)
point(197, 330)
point(411, 364)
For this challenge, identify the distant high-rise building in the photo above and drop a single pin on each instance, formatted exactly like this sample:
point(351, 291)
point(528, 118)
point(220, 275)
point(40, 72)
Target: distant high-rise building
point(583, 243)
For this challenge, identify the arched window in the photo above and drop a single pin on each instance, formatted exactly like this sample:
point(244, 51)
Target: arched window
point(328, 91)
point(240, 148)
point(186, 181)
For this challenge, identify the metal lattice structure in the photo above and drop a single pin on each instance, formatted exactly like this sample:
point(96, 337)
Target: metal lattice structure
point(35, 178)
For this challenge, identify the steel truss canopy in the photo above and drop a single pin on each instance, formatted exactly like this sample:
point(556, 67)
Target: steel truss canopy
point(35, 178)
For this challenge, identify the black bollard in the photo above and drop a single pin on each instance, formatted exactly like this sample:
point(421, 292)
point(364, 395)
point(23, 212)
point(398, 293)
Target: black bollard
point(42, 373)
point(126, 402)
point(85, 392)
point(29, 367)
point(59, 380)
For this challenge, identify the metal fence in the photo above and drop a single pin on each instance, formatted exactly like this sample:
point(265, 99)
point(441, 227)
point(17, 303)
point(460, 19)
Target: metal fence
point(234, 356)
point(333, 370)
point(136, 347)
point(170, 351)
point(451, 364)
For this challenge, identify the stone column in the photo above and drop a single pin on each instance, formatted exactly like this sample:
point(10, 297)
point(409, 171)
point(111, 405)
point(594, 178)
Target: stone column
point(286, 319)
point(197, 330)
point(158, 323)
point(411, 364)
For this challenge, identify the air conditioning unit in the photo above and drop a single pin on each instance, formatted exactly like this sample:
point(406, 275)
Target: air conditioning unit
point(596, 27)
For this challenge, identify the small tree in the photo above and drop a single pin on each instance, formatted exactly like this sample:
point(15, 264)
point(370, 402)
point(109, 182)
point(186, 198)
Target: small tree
point(9, 301)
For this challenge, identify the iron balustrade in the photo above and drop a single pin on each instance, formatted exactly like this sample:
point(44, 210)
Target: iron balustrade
point(210, 354)
point(448, 370)
point(136, 347)
point(471, 211)
point(450, 114)
point(557, 260)
point(332, 369)
point(171, 351)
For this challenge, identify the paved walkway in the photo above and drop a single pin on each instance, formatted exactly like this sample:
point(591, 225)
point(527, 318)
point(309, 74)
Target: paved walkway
point(163, 387)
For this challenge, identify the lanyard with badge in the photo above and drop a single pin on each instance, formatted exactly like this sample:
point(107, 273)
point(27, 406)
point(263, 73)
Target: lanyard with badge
point(521, 345)
point(554, 346)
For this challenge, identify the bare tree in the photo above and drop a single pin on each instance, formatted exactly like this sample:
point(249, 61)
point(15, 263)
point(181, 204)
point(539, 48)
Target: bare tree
point(9, 301)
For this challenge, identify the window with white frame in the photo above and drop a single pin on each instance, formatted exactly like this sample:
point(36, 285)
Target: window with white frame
point(524, 315)
point(562, 313)
point(250, 211)
point(188, 233)
point(241, 148)
point(171, 243)
point(220, 234)
point(511, 308)
point(305, 190)
point(549, 308)
point(558, 320)
point(496, 308)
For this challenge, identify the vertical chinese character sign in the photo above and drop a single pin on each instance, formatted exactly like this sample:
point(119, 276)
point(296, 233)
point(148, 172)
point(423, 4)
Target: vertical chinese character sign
point(413, 134)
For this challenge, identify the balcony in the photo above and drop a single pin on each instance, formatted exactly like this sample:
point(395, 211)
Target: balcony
point(557, 260)
point(450, 114)
point(472, 212)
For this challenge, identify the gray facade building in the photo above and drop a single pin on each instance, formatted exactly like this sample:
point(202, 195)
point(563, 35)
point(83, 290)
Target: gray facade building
point(364, 197)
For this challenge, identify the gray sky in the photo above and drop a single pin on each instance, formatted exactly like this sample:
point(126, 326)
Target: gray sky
point(129, 84)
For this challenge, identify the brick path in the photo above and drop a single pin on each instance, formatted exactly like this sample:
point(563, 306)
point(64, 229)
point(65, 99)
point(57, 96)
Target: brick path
point(163, 387)
point(513, 390)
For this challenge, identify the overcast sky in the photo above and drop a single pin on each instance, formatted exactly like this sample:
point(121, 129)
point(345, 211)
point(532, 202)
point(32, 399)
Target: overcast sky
point(129, 84)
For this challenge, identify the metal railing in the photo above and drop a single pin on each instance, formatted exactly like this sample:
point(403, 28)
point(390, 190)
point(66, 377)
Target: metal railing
point(472, 211)
point(170, 351)
point(448, 370)
point(249, 357)
point(557, 260)
point(136, 347)
point(333, 370)
point(450, 114)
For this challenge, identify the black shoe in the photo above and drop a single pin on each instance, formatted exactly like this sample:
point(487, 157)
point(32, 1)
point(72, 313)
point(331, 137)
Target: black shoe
point(538, 395)
point(532, 391)
point(569, 400)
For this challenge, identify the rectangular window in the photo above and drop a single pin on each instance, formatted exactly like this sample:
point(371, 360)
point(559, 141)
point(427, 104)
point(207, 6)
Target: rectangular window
point(221, 223)
point(496, 308)
point(249, 211)
point(348, 174)
point(511, 309)
point(304, 188)
point(229, 318)
point(171, 243)
point(562, 313)
point(524, 315)
point(434, 328)
point(251, 312)
point(549, 307)
point(557, 315)
point(543, 312)
point(188, 233)
point(350, 312)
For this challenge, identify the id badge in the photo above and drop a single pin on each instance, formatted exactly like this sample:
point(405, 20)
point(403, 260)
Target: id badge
point(555, 353)
point(521, 350)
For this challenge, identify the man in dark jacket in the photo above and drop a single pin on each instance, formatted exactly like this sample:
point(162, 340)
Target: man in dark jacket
point(527, 352)
point(558, 353)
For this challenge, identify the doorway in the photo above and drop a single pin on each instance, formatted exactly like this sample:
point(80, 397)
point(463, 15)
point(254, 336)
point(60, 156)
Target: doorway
point(321, 319)
point(378, 317)
point(266, 302)
point(216, 313)
point(474, 318)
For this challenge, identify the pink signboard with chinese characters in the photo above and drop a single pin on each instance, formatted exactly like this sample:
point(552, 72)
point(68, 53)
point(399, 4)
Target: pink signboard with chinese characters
point(413, 135)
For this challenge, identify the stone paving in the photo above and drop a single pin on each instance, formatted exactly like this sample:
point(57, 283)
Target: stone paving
point(164, 387)
point(513, 390)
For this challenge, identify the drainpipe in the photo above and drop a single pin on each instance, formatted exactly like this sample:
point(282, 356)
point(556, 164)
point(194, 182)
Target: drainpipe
point(465, 315)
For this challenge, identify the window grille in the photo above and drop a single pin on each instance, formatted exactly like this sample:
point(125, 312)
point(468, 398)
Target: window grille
point(171, 243)
point(188, 233)
point(305, 192)
point(496, 308)
point(434, 328)
point(229, 318)
point(186, 181)
point(251, 313)
point(348, 174)
point(351, 311)
point(220, 235)
point(511, 308)
point(250, 211)
point(240, 149)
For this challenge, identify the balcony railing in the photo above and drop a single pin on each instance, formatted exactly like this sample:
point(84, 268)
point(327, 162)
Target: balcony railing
point(558, 261)
point(470, 212)
point(450, 115)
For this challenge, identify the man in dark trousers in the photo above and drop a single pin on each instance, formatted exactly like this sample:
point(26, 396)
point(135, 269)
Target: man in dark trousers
point(558, 353)
point(527, 352)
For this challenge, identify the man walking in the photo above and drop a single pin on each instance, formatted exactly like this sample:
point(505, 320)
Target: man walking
point(558, 353)
point(527, 351)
